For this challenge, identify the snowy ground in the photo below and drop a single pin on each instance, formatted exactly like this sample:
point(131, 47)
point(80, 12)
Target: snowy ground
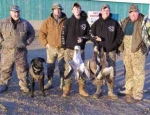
point(14, 102)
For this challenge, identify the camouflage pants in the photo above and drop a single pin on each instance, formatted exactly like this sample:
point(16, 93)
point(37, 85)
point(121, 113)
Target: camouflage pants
point(134, 65)
point(52, 55)
point(68, 57)
point(111, 60)
point(9, 58)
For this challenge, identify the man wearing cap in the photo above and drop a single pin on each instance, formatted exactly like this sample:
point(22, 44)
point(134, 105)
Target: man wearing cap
point(50, 37)
point(108, 36)
point(136, 28)
point(75, 29)
point(15, 34)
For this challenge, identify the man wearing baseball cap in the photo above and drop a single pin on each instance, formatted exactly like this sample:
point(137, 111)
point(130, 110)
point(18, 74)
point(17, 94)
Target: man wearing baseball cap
point(135, 44)
point(74, 30)
point(108, 36)
point(16, 33)
point(50, 37)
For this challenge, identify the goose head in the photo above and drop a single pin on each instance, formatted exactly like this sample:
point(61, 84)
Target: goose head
point(77, 49)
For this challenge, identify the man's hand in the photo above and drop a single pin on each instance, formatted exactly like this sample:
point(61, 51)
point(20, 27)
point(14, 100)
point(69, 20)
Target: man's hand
point(118, 53)
point(80, 39)
point(98, 38)
point(47, 46)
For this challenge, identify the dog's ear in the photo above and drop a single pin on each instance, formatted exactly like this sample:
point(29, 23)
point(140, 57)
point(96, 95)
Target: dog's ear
point(32, 60)
point(42, 59)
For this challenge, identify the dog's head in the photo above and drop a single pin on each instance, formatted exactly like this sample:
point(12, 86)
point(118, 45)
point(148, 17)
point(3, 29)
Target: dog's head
point(37, 63)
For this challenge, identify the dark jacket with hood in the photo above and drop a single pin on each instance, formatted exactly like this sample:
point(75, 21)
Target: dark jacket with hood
point(74, 28)
point(109, 31)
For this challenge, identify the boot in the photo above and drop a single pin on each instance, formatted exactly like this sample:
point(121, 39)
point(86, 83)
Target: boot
point(61, 83)
point(81, 88)
point(98, 84)
point(50, 71)
point(130, 99)
point(49, 84)
point(112, 95)
point(110, 86)
point(67, 87)
point(25, 89)
point(122, 91)
point(97, 93)
point(3, 88)
point(24, 85)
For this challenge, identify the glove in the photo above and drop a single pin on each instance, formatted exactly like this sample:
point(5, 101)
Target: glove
point(117, 52)
point(63, 46)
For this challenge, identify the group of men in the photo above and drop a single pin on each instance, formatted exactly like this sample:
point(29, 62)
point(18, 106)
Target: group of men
point(59, 35)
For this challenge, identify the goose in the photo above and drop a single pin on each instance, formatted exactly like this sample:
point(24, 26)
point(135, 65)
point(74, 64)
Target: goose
point(97, 66)
point(77, 65)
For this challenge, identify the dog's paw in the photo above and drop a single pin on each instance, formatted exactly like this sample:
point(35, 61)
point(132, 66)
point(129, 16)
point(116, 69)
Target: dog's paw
point(44, 95)
point(32, 95)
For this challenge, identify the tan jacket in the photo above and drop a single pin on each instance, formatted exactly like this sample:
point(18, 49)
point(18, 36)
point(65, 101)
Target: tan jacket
point(50, 31)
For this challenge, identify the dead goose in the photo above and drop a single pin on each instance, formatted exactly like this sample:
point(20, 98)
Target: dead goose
point(99, 70)
point(97, 66)
point(77, 64)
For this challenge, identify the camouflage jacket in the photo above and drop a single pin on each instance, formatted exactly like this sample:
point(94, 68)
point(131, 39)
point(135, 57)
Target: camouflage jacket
point(144, 34)
point(146, 31)
point(16, 38)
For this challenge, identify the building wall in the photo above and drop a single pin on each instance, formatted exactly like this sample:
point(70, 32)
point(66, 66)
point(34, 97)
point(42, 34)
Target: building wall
point(41, 9)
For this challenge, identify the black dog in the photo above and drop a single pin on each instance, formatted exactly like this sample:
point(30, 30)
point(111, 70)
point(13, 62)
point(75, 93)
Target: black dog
point(37, 74)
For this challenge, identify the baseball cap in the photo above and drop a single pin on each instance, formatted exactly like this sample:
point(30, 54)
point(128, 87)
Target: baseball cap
point(133, 8)
point(56, 5)
point(14, 8)
point(105, 6)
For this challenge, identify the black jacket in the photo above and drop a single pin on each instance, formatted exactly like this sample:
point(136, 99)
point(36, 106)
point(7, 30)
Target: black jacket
point(74, 28)
point(109, 31)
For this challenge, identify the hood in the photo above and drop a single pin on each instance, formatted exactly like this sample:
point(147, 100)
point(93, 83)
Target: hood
point(83, 15)
point(63, 15)
point(100, 17)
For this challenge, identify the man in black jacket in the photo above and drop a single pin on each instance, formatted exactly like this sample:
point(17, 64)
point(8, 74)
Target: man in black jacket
point(109, 36)
point(75, 30)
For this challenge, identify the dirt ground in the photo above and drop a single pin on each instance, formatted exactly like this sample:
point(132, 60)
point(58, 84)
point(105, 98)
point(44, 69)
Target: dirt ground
point(14, 102)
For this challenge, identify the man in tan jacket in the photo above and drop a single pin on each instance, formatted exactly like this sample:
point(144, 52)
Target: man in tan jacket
point(50, 36)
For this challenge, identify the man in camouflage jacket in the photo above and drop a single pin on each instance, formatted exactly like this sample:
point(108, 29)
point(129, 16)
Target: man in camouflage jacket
point(15, 34)
point(135, 44)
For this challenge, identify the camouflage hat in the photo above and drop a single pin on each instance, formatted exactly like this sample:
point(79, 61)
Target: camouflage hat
point(105, 6)
point(56, 5)
point(133, 8)
point(14, 8)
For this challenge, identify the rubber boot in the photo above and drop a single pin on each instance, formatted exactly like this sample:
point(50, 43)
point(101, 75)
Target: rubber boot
point(61, 83)
point(98, 84)
point(67, 87)
point(24, 86)
point(82, 92)
point(50, 71)
point(49, 84)
point(111, 94)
